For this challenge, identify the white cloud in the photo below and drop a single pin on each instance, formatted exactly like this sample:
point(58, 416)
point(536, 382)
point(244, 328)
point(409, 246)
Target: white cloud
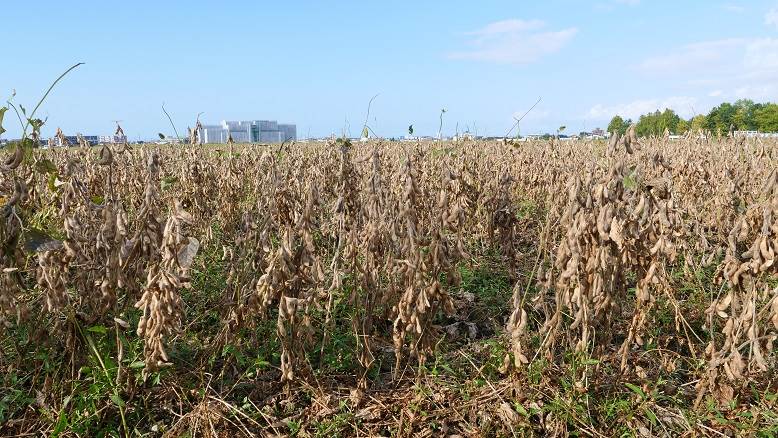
point(761, 92)
point(683, 105)
point(536, 114)
point(514, 42)
point(771, 18)
point(761, 55)
point(611, 5)
point(731, 7)
point(692, 57)
point(737, 67)
point(508, 26)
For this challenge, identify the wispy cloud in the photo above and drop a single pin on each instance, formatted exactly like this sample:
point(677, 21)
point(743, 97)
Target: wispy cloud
point(731, 7)
point(730, 66)
point(612, 5)
point(692, 57)
point(534, 115)
point(514, 41)
point(633, 110)
point(771, 18)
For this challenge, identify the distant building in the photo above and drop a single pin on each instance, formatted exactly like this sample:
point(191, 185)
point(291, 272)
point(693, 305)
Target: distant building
point(169, 139)
point(213, 134)
point(72, 140)
point(91, 140)
point(288, 132)
point(253, 131)
point(113, 139)
point(755, 134)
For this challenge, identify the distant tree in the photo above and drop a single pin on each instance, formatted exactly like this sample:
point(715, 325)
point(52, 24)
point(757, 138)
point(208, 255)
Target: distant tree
point(655, 124)
point(618, 125)
point(682, 127)
point(721, 118)
point(698, 123)
point(766, 118)
point(745, 115)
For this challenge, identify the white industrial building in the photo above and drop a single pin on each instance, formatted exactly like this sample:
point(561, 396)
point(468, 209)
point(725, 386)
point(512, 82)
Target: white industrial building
point(252, 131)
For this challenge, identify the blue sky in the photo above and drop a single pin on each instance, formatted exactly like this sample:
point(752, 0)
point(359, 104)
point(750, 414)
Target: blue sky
point(317, 64)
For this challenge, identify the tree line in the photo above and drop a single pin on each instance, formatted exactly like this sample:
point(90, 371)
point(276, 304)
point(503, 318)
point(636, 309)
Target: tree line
point(743, 115)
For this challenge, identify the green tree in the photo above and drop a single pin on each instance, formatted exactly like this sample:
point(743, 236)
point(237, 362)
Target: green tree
point(766, 118)
point(682, 127)
point(745, 113)
point(698, 123)
point(618, 124)
point(657, 122)
point(721, 118)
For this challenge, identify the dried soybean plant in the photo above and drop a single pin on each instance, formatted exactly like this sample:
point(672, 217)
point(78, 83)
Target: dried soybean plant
point(589, 262)
point(300, 293)
point(352, 263)
point(750, 305)
point(649, 236)
point(388, 226)
point(143, 249)
point(11, 256)
point(502, 223)
point(291, 280)
point(431, 252)
point(161, 304)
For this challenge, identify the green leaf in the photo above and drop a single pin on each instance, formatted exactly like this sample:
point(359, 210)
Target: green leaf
point(137, 364)
point(168, 181)
point(36, 124)
point(410, 130)
point(52, 181)
point(117, 400)
point(590, 361)
point(97, 199)
point(45, 166)
point(2, 113)
point(27, 149)
point(520, 409)
point(97, 329)
point(652, 417)
point(365, 132)
point(629, 181)
point(62, 424)
point(636, 389)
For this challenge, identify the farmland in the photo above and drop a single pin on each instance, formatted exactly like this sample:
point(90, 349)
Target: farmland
point(391, 289)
